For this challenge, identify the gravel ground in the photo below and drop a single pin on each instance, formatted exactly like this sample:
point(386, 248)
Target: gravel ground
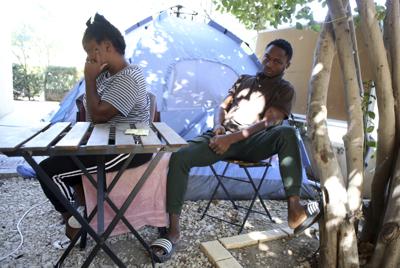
point(43, 225)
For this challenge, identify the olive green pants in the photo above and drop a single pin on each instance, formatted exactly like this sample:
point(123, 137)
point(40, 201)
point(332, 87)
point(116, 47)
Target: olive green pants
point(279, 140)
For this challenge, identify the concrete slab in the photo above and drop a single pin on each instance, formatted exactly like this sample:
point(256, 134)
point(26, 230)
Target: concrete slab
point(228, 263)
point(25, 113)
point(215, 251)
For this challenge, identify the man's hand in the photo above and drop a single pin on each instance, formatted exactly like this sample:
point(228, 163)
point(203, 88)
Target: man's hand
point(220, 143)
point(219, 130)
point(93, 67)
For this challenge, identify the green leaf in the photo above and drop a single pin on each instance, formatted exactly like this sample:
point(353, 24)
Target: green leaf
point(371, 144)
point(316, 27)
point(370, 129)
point(371, 114)
point(299, 26)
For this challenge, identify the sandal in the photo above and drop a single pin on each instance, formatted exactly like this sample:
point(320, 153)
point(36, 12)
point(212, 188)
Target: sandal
point(73, 222)
point(313, 212)
point(166, 246)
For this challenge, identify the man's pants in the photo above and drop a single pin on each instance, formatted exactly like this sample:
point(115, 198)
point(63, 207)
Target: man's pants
point(281, 140)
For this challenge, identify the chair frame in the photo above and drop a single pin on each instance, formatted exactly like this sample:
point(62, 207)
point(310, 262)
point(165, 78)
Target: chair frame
point(245, 166)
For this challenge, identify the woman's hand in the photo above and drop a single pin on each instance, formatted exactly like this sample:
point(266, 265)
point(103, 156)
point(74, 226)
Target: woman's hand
point(93, 67)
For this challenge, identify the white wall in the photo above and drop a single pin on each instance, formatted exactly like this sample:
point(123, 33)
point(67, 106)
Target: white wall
point(6, 91)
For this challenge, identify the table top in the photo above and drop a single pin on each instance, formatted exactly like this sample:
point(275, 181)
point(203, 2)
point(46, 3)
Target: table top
point(85, 138)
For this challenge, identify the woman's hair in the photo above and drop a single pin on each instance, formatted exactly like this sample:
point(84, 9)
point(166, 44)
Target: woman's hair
point(100, 29)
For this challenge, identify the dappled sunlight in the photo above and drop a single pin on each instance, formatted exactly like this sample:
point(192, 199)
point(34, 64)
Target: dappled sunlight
point(248, 225)
point(321, 115)
point(263, 247)
point(156, 44)
point(143, 63)
point(151, 78)
point(354, 193)
point(277, 220)
point(317, 69)
point(257, 235)
point(248, 105)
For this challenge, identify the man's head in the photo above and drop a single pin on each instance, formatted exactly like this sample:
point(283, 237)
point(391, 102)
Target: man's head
point(277, 56)
point(102, 37)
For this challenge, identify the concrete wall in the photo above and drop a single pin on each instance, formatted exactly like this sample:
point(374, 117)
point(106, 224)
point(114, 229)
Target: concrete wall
point(6, 87)
point(303, 42)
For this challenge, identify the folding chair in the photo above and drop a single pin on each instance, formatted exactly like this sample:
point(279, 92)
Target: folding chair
point(245, 166)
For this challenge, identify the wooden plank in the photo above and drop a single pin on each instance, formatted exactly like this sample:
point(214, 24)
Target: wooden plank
point(74, 137)
point(45, 138)
point(215, 251)
point(12, 137)
point(150, 140)
point(99, 136)
point(121, 139)
point(228, 263)
point(171, 137)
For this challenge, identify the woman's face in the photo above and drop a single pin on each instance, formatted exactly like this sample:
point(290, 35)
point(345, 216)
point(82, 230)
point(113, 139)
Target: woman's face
point(96, 52)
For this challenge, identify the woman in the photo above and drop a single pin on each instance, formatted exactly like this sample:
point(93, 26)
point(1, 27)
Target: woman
point(115, 93)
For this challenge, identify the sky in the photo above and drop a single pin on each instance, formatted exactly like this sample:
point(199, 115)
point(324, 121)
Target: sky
point(60, 24)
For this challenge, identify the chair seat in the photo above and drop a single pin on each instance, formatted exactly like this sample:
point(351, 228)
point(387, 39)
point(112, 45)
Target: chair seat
point(243, 163)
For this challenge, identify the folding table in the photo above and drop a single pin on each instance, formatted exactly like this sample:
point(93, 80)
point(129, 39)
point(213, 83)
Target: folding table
point(84, 138)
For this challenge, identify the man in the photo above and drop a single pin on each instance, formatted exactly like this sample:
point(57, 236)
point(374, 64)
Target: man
point(246, 127)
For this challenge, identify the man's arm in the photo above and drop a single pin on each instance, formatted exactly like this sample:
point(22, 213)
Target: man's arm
point(219, 116)
point(221, 143)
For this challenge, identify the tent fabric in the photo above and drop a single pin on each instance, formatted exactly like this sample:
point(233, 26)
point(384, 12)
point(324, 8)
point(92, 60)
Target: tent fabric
point(190, 65)
point(67, 111)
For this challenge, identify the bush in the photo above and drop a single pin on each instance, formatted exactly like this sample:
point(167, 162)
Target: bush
point(54, 80)
point(58, 81)
point(27, 82)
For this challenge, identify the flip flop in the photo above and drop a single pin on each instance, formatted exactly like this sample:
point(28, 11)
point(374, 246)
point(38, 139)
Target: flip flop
point(313, 212)
point(166, 245)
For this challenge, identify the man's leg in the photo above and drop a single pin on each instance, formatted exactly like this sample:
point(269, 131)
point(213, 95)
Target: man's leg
point(281, 140)
point(197, 154)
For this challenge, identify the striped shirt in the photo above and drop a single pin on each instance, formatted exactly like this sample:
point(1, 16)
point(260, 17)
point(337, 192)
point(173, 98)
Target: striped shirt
point(126, 91)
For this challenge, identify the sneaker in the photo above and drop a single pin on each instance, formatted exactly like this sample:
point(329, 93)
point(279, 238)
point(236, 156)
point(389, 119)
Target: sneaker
point(64, 242)
point(73, 222)
point(26, 171)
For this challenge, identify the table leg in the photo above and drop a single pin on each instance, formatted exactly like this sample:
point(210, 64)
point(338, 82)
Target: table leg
point(51, 185)
point(119, 213)
point(101, 185)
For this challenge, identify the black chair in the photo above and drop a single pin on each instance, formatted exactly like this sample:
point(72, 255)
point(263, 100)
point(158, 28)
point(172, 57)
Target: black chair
point(245, 166)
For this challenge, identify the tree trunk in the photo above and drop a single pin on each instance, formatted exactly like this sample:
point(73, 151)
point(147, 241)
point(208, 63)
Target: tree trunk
point(387, 253)
point(392, 38)
point(354, 138)
point(321, 149)
point(386, 130)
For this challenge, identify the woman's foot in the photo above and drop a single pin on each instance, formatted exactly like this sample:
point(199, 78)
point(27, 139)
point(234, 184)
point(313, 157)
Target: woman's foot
point(73, 222)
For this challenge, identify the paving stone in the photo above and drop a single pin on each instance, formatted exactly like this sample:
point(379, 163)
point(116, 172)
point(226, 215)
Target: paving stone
point(228, 263)
point(245, 240)
point(215, 251)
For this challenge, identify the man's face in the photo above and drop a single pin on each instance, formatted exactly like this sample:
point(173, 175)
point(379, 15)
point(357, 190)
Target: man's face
point(275, 61)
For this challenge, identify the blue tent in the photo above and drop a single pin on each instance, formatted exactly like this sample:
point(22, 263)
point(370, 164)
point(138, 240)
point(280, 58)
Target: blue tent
point(190, 65)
